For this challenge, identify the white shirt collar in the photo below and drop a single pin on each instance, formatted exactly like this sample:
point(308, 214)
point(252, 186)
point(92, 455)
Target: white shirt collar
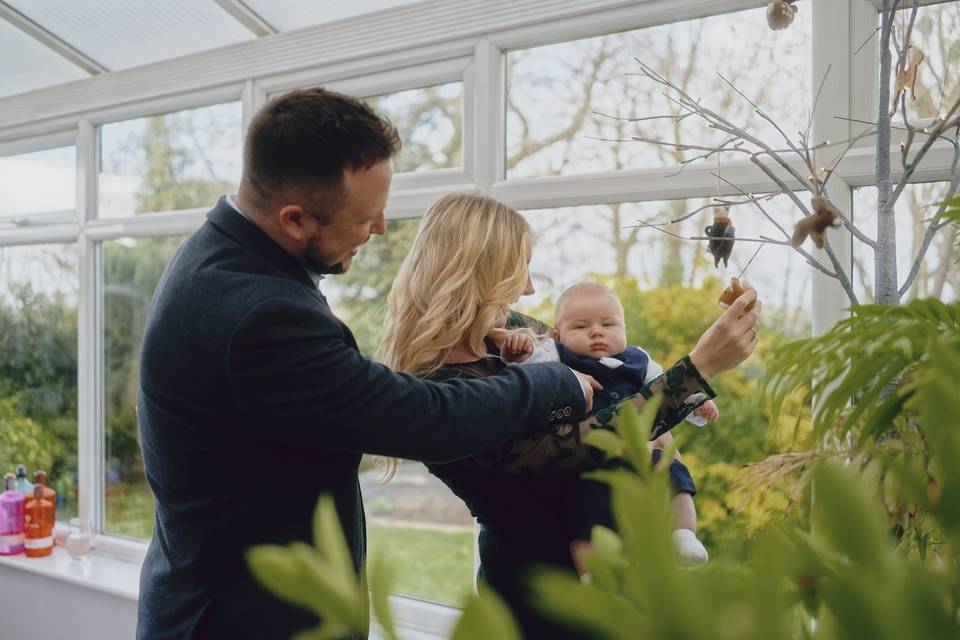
point(316, 277)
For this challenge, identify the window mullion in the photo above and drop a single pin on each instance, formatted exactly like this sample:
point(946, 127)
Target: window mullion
point(484, 126)
point(89, 389)
point(832, 55)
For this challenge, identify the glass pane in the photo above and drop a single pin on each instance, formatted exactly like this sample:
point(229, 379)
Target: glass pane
point(935, 34)
point(938, 276)
point(556, 93)
point(120, 34)
point(414, 519)
point(669, 289)
point(286, 15)
point(40, 185)
point(172, 161)
point(131, 270)
point(34, 67)
point(430, 123)
point(39, 285)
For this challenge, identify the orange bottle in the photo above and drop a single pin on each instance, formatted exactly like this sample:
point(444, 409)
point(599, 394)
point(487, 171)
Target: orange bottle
point(39, 514)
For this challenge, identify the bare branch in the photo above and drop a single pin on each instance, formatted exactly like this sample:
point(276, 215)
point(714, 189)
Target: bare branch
point(869, 38)
point(641, 223)
point(668, 117)
point(762, 114)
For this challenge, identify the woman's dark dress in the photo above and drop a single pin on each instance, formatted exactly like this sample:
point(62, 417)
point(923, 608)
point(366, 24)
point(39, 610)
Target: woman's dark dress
point(523, 493)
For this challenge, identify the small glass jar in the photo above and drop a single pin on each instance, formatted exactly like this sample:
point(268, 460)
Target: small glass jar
point(79, 539)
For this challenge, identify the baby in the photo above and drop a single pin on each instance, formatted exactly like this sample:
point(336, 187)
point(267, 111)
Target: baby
point(590, 336)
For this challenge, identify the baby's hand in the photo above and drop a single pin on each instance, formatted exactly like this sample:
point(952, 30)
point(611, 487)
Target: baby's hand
point(708, 411)
point(516, 348)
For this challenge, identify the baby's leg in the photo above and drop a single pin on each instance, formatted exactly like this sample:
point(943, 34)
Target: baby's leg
point(689, 550)
point(684, 512)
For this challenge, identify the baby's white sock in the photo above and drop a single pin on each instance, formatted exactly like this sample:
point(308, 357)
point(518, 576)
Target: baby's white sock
point(689, 550)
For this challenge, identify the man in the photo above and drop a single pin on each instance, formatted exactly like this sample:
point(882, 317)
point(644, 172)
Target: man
point(253, 397)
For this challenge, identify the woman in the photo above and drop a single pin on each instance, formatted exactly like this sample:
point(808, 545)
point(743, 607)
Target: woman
point(448, 312)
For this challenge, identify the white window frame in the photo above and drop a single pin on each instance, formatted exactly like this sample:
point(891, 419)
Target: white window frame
point(409, 47)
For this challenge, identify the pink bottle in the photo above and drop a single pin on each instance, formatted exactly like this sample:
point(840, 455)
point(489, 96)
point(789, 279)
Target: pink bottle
point(11, 518)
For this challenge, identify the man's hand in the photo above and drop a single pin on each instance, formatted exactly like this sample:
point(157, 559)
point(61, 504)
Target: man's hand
point(516, 348)
point(588, 384)
point(731, 339)
point(708, 411)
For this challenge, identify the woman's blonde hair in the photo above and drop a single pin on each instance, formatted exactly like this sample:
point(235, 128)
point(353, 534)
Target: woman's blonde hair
point(467, 265)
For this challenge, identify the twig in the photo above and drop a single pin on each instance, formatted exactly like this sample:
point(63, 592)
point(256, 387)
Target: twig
point(762, 114)
point(677, 118)
point(869, 38)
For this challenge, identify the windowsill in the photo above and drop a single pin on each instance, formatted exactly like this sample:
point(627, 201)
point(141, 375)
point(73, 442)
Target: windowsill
point(95, 571)
point(415, 618)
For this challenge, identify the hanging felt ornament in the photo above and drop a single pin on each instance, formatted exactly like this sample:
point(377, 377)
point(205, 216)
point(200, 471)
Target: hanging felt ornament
point(907, 75)
point(734, 290)
point(816, 224)
point(721, 234)
point(738, 287)
point(780, 14)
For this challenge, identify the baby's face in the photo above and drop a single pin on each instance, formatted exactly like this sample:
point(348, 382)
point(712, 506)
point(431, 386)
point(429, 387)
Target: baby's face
point(592, 325)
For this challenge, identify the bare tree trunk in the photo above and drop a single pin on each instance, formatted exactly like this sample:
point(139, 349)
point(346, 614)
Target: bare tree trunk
point(621, 247)
point(671, 270)
point(885, 274)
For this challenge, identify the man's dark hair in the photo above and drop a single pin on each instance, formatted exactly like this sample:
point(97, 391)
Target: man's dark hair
point(299, 145)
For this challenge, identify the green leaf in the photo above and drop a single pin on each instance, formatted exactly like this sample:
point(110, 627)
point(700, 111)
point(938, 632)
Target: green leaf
point(584, 607)
point(328, 536)
point(281, 573)
point(634, 427)
point(606, 441)
point(847, 517)
point(484, 618)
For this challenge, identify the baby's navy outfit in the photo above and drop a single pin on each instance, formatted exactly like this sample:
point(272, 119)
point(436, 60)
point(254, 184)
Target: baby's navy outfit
point(622, 375)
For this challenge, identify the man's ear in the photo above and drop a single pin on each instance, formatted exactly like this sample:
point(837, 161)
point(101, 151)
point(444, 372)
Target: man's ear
point(292, 220)
point(556, 334)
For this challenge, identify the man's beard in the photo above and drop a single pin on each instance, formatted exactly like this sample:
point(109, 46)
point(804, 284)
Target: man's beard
point(315, 262)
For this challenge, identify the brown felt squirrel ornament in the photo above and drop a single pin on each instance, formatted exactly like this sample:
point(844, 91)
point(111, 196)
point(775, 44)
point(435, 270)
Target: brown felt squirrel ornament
point(721, 234)
point(815, 225)
point(907, 75)
point(734, 290)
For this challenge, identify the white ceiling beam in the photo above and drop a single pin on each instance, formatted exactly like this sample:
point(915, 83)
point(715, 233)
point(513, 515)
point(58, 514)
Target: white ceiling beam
point(50, 41)
point(246, 16)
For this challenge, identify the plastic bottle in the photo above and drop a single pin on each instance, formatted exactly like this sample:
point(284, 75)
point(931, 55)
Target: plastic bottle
point(11, 518)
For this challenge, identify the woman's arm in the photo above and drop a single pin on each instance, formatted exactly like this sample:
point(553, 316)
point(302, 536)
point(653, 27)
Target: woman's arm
point(561, 448)
point(727, 343)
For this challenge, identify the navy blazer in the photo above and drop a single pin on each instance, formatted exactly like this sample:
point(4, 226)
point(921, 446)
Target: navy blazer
point(254, 400)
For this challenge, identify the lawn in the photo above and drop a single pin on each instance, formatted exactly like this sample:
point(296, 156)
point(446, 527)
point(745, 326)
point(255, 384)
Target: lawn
point(429, 564)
